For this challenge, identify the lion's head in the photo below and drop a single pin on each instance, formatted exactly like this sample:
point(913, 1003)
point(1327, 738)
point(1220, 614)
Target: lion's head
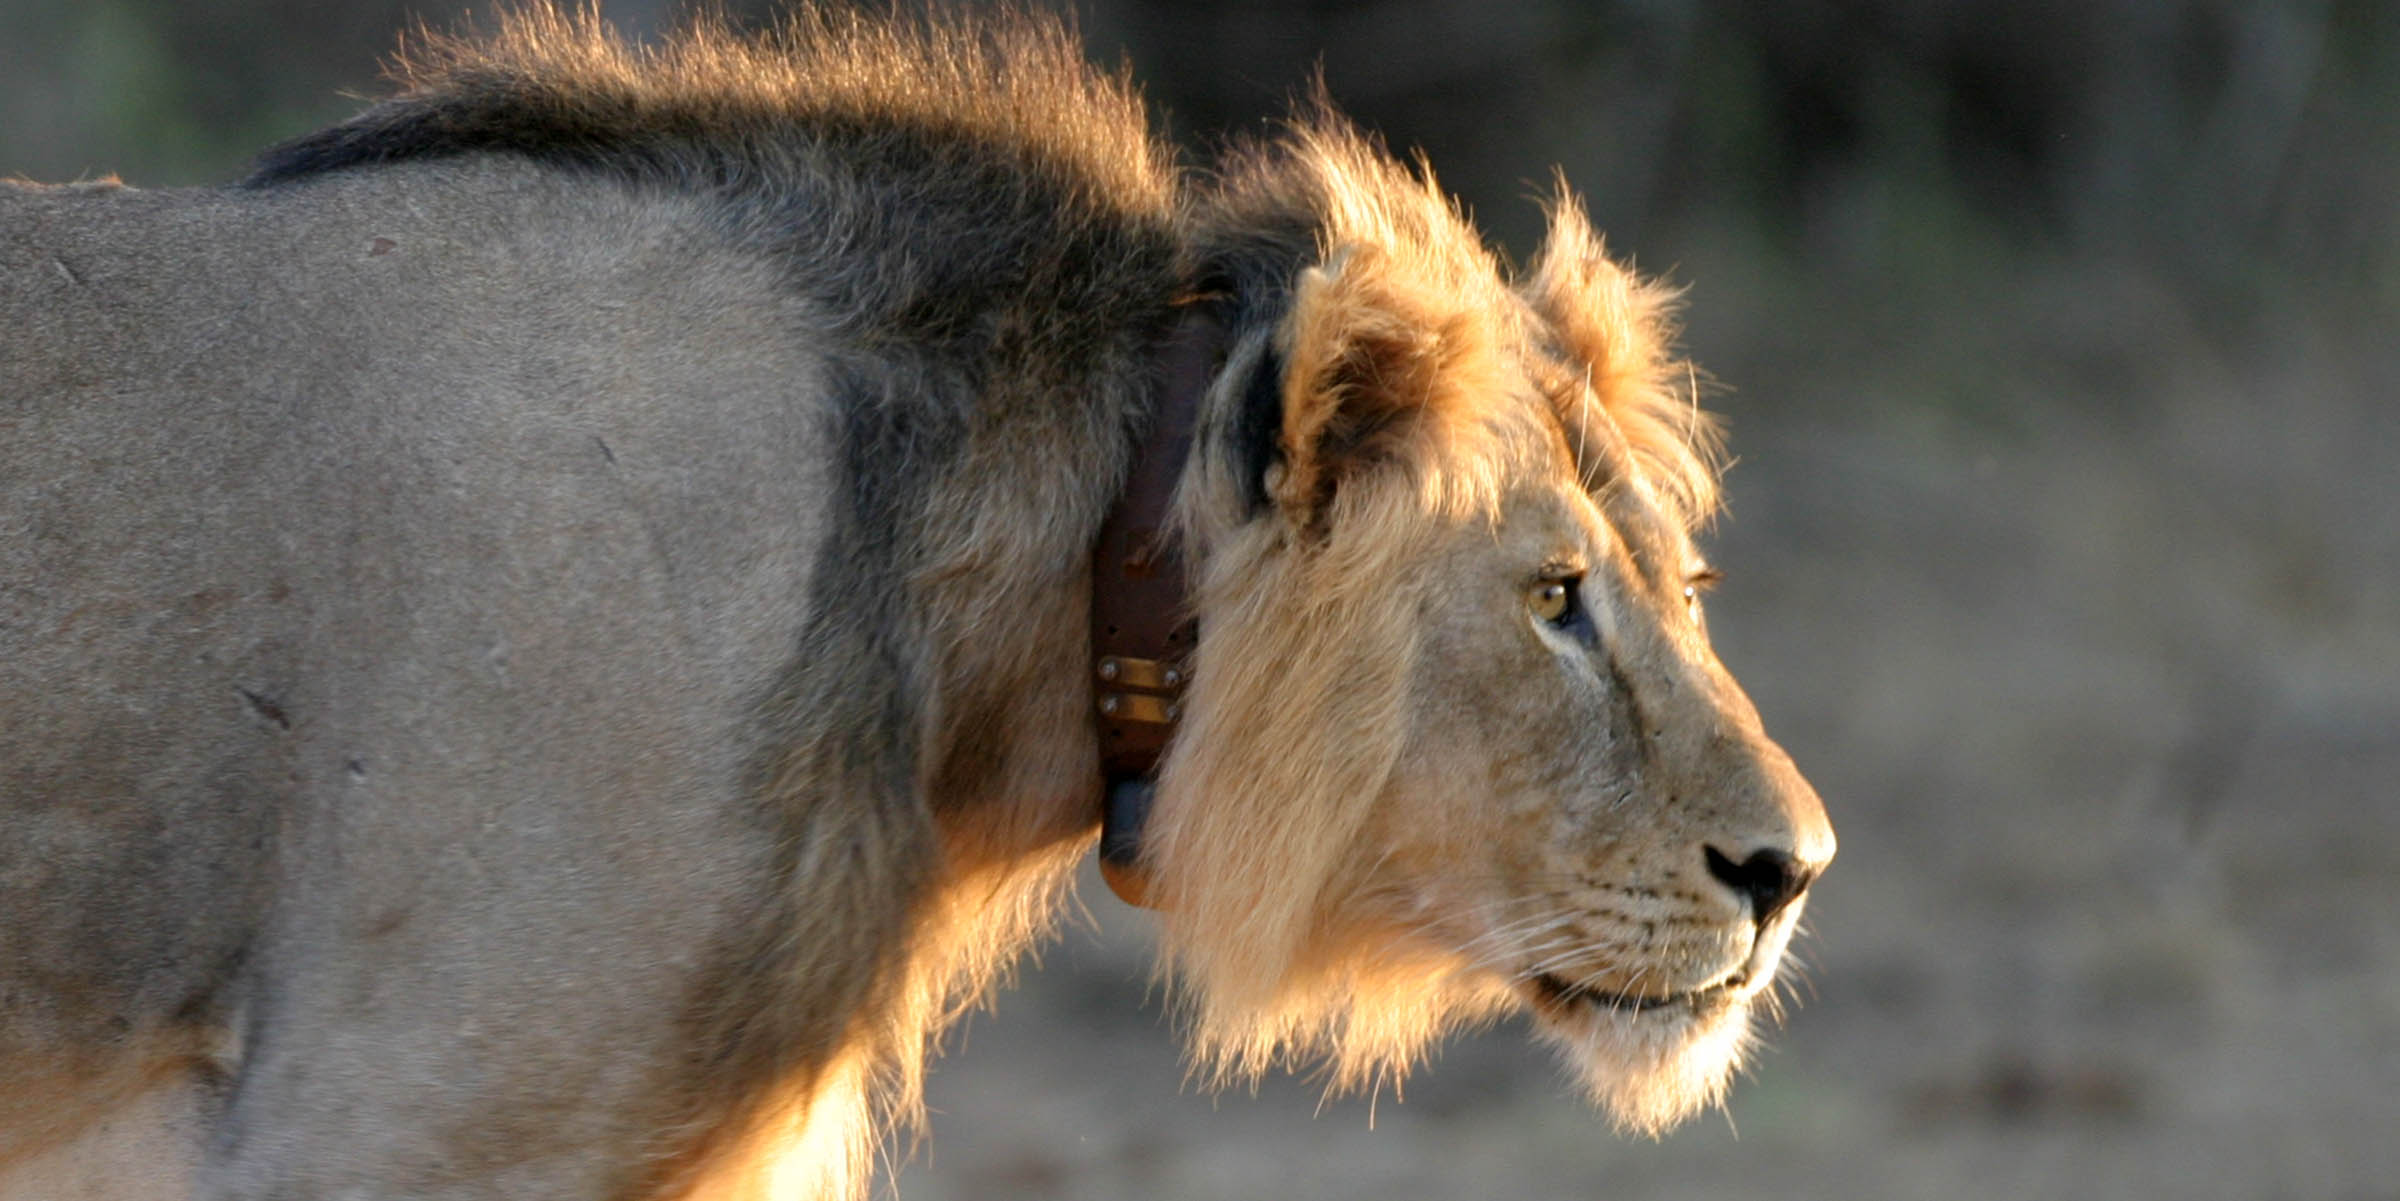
point(1456, 741)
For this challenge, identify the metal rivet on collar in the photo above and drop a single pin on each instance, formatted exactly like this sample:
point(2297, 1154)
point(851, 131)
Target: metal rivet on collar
point(1147, 674)
point(1139, 707)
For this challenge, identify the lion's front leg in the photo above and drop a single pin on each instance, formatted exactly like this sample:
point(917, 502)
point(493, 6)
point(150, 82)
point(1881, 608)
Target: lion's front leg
point(513, 976)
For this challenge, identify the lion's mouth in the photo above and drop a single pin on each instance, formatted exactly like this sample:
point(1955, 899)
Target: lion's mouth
point(1557, 994)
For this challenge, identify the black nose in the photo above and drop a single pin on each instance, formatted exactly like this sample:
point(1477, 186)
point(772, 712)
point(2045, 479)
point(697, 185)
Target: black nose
point(1770, 878)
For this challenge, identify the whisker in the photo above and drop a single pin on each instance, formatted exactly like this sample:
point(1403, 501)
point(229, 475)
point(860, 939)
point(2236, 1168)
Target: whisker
point(1583, 425)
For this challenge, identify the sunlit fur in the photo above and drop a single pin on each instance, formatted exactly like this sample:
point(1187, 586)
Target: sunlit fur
point(1615, 326)
point(823, 1132)
point(1001, 80)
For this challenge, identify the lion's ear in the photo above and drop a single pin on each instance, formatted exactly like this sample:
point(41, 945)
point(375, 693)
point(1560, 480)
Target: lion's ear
point(1620, 325)
point(1620, 329)
point(1369, 367)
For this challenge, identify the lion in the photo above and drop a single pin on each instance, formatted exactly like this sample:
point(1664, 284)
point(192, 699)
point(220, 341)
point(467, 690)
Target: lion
point(546, 636)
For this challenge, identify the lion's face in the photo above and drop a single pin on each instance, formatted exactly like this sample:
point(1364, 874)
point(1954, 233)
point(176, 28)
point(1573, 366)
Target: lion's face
point(1456, 743)
point(1587, 811)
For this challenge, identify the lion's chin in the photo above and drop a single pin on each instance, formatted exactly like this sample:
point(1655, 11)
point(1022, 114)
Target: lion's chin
point(1649, 1062)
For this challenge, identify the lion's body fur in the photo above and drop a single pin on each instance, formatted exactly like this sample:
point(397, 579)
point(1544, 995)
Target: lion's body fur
point(541, 638)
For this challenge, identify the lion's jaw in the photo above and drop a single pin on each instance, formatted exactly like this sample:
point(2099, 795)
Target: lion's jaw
point(1649, 1000)
point(1652, 1058)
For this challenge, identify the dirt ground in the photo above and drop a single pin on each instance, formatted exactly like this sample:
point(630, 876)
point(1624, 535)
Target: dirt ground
point(2105, 701)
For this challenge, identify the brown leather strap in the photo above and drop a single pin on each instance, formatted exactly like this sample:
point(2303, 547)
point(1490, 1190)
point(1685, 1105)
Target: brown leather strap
point(1142, 626)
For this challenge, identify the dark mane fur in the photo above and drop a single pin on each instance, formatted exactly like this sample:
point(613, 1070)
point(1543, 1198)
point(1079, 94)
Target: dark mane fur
point(950, 165)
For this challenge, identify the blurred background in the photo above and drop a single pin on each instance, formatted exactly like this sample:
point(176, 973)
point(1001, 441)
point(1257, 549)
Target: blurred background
point(2058, 343)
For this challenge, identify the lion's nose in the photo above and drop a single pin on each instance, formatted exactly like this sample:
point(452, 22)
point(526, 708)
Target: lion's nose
point(1770, 878)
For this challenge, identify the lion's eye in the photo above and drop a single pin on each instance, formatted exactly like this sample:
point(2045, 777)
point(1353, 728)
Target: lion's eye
point(1551, 600)
point(1695, 586)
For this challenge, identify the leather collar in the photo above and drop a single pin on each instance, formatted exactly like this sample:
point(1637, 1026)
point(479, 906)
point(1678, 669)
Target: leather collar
point(1143, 629)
